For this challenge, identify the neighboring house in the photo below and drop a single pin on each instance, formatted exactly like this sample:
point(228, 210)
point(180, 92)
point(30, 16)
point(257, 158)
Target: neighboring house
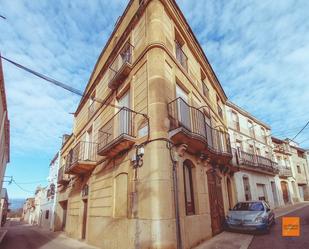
point(28, 214)
point(4, 206)
point(47, 206)
point(39, 198)
point(155, 170)
point(299, 162)
point(283, 156)
point(4, 129)
point(252, 151)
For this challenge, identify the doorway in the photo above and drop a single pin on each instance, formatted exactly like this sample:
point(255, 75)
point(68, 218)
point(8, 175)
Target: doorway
point(273, 188)
point(229, 192)
point(285, 193)
point(124, 115)
point(64, 205)
point(85, 208)
point(215, 201)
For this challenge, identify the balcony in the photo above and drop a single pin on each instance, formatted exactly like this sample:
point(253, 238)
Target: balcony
point(188, 126)
point(62, 178)
point(255, 162)
point(181, 57)
point(118, 134)
point(282, 148)
point(285, 172)
point(81, 159)
point(121, 66)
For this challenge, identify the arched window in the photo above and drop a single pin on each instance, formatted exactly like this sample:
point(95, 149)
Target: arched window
point(188, 185)
point(246, 188)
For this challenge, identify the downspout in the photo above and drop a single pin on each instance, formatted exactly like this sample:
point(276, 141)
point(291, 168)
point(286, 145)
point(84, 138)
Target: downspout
point(176, 201)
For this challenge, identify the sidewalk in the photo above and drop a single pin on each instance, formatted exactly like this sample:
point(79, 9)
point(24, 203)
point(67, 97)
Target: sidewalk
point(228, 240)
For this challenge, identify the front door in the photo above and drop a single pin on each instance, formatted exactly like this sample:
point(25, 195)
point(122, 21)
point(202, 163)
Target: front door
point(273, 188)
point(84, 218)
point(285, 193)
point(215, 201)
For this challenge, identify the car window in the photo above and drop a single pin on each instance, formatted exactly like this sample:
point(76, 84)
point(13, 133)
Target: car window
point(249, 206)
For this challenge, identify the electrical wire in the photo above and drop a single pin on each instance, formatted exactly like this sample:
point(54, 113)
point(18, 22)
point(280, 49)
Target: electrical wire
point(20, 187)
point(3, 17)
point(300, 131)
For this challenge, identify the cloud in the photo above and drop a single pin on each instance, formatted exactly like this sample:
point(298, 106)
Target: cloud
point(61, 39)
point(259, 51)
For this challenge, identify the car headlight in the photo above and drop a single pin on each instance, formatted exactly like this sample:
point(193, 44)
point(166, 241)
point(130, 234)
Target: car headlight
point(259, 219)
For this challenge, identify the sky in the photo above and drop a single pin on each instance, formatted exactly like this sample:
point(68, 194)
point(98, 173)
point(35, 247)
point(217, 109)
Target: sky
point(258, 49)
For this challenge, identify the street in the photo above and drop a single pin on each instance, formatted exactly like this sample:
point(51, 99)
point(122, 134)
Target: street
point(274, 240)
point(24, 236)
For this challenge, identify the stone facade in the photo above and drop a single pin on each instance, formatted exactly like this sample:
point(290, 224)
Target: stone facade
point(4, 206)
point(4, 129)
point(148, 161)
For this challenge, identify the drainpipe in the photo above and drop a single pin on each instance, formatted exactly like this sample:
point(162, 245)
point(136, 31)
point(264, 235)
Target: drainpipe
point(176, 201)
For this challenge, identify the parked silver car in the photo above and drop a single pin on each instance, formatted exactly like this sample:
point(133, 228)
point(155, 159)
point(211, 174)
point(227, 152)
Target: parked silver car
point(250, 216)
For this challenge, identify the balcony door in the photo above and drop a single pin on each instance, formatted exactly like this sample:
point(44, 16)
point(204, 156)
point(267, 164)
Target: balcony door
point(124, 115)
point(183, 108)
point(86, 146)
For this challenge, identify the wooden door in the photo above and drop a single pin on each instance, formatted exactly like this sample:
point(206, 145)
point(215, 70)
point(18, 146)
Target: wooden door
point(215, 202)
point(84, 219)
point(285, 193)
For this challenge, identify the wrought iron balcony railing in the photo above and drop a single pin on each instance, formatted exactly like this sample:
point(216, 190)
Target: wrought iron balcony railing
point(82, 158)
point(255, 161)
point(181, 56)
point(121, 67)
point(118, 134)
point(194, 127)
point(62, 178)
point(285, 171)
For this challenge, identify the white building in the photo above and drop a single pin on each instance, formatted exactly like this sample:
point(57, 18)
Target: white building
point(257, 177)
point(47, 205)
point(283, 156)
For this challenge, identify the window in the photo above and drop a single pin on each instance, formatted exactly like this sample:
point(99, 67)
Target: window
point(251, 149)
point(267, 154)
point(246, 188)
point(264, 136)
point(188, 186)
point(298, 169)
point(205, 90)
point(182, 108)
point(204, 85)
point(251, 128)
point(258, 151)
point(180, 55)
point(235, 120)
point(220, 112)
point(46, 214)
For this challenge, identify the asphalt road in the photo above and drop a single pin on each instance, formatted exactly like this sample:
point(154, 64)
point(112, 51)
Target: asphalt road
point(24, 236)
point(274, 239)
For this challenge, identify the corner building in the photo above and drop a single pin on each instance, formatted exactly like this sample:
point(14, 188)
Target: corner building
point(148, 162)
